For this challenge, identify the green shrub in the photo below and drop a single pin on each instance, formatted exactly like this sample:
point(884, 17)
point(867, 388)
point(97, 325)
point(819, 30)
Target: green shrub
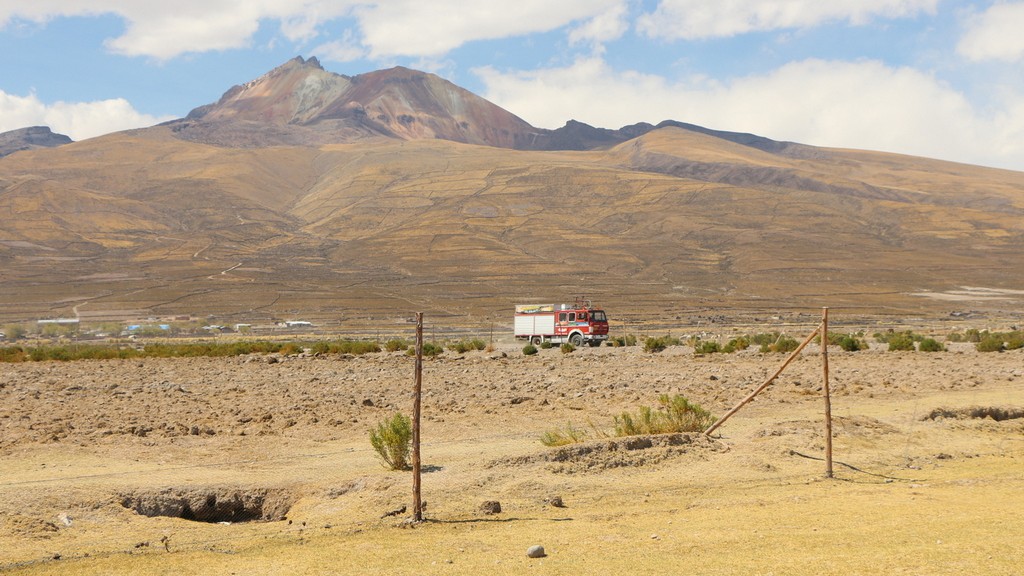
point(738, 343)
point(851, 343)
point(13, 354)
point(900, 342)
point(547, 345)
point(290, 349)
point(567, 348)
point(392, 440)
point(707, 347)
point(15, 331)
point(529, 350)
point(781, 343)
point(561, 437)
point(463, 346)
point(658, 344)
point(396, 345)
point(355, 347)
point(675, 414)
point(1015, 340)
point(991, 343)
point(764, 338)
point(429, 349)
point(930, 345)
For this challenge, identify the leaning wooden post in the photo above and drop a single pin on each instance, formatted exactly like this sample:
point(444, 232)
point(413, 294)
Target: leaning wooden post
point(762, 386)
point(828, 399)
point(417, 502)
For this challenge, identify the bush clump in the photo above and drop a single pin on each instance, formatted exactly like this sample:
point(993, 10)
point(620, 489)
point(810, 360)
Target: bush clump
point(529, 350)
point(781, 343)
point(990, 343)
point(738, 343)
point(392, 440)
point(675, 414)
point(547, 345)
point(706, 347)
point(850, 343)
point(567, 348)
point(901, 342)
point(396, 345)
point(463, 346)
point(931, 345)
point(430, 349)
point(658, 344)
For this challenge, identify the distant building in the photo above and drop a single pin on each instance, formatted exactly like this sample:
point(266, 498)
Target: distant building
point(297, 324)
point(64, 321)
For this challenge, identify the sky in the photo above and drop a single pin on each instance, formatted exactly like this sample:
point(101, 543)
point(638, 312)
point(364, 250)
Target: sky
point(936, 78)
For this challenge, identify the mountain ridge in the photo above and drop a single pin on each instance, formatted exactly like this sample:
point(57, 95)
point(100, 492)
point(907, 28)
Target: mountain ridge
point(288, 218)
point(30, 138)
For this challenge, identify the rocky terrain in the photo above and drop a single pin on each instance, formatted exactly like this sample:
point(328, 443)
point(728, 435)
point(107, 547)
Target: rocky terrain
point(123, 466)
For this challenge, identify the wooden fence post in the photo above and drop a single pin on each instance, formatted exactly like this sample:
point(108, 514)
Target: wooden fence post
point(417, 502)
point(828, 399)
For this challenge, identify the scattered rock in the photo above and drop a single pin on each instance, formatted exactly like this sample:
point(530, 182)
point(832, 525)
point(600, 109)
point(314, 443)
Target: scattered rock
point(367, 402)
point(535, 551)
point(556, 501)
point(491, 507)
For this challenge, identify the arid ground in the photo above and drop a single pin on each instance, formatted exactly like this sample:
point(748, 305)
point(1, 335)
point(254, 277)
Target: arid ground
point(99, 461)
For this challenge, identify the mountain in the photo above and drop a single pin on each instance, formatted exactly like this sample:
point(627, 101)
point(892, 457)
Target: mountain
point(29, 139)
point(300, 103)
point(282, 200)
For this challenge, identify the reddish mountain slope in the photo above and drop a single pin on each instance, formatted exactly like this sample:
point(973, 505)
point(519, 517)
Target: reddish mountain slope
point(301, 103)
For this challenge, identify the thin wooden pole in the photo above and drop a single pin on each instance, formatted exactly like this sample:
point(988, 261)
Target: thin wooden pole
point(762, 386)
point(417, 502)
point(828, 399)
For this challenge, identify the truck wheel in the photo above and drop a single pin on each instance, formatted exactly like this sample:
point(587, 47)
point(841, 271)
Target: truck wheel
point(536, 340)
point(576, 340)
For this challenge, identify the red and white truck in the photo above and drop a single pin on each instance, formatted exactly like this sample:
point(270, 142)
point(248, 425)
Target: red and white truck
point(576, 323)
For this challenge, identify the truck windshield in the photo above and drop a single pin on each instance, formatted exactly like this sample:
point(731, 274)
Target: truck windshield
point(598, 316)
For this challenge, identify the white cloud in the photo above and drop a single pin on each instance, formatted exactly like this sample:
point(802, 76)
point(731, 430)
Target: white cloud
point(164, 30)
point(996, 34)
point(604, 27)
point(79, 120)
point(864, 104)
point(418, 28)
point(345, 49)
point(694, 19)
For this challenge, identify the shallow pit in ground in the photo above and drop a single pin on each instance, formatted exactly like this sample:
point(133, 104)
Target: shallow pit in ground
point(996, 413)
point(211, 504)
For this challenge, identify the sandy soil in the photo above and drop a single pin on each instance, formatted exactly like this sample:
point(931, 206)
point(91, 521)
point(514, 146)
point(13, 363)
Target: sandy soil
point(101, 459)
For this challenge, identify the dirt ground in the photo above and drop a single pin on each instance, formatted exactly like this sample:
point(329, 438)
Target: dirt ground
point(107, 466)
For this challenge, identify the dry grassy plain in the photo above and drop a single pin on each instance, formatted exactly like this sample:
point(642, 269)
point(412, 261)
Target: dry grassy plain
point(931, 496)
